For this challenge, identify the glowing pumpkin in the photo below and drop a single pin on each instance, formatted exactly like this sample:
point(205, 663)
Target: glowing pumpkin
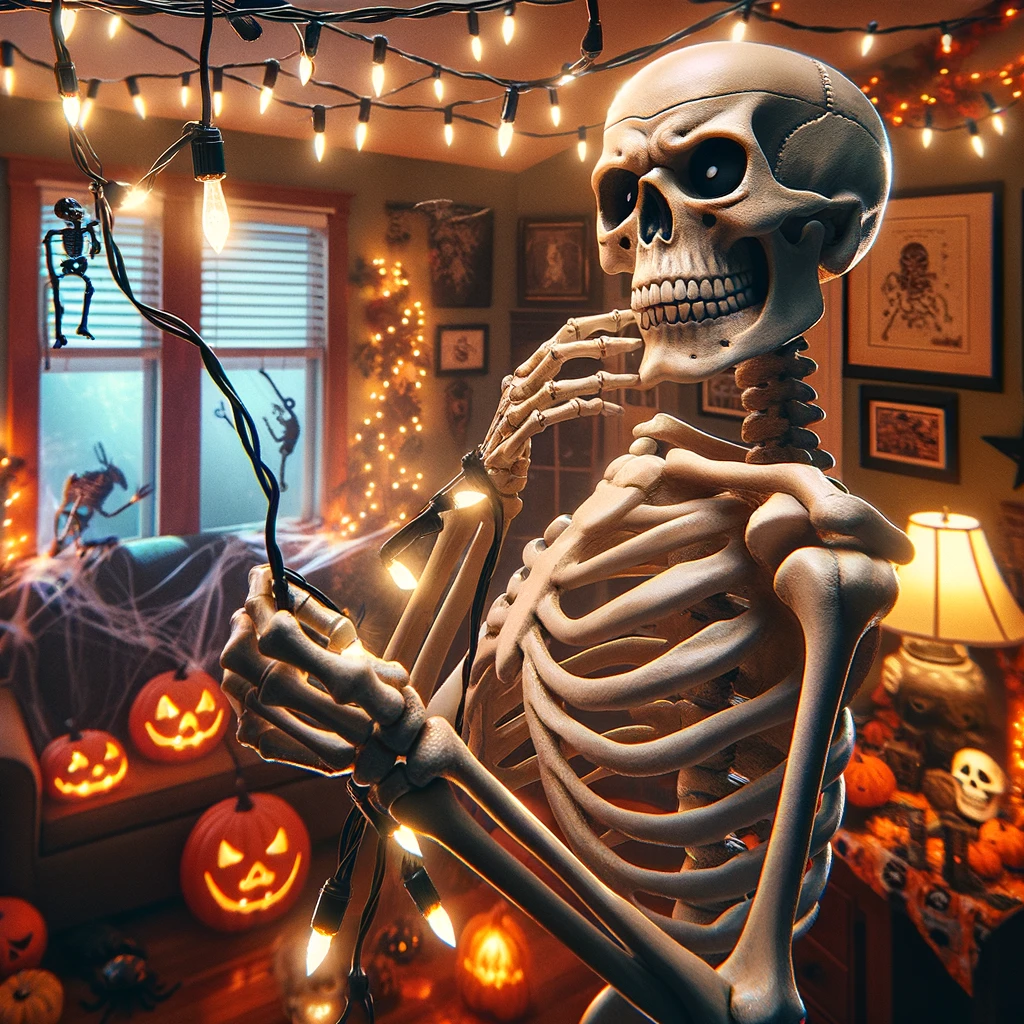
point(178, 716)
point(1007, 839)
point(82, 764)
point(31, 997)
point(491, 965)
point(869, 781)
point(244, 862)
point(22, 935)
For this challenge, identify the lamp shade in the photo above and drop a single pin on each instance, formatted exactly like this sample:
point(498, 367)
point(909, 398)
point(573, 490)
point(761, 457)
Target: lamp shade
point(952, 591)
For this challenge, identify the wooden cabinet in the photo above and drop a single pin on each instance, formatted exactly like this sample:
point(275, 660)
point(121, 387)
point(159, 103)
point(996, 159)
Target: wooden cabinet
point(844, 964)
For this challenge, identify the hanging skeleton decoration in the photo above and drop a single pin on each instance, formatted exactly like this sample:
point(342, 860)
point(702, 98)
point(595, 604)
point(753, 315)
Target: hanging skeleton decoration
point(734, 178)
point(289, 424)
point(75, 262)
point(84, 495)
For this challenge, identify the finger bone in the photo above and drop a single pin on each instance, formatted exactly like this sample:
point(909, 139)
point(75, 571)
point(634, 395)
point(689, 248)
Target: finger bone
point(285, 686)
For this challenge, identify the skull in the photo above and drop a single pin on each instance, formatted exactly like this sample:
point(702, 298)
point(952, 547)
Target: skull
point(980, 784)
point(734, 178)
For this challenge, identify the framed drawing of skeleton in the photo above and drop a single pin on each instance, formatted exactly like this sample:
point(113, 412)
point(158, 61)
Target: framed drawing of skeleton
point(925, 304)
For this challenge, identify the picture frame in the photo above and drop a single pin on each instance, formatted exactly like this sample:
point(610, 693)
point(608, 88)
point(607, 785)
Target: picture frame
point(555, 257)
point(924, 306)
point(719, 396)
point(910, 431)
point(461, 349)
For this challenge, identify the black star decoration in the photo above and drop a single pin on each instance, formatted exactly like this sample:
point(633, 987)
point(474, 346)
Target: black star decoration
point(1013, 449)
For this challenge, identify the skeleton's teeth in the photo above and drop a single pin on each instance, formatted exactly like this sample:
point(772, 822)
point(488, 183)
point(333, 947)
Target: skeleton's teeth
point(719, 288)
point(678, 290)
point(706, 291)
point(692, 291)
point(666, 291)
point(673, 301)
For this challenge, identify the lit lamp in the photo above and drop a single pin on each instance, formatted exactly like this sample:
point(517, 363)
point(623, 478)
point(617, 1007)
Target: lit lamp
point(951, 595)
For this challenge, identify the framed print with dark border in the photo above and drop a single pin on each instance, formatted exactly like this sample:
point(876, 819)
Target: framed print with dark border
point(554, 261)
point(460, 348)
point(719, 396)
point(924, 306)
point(910, 431)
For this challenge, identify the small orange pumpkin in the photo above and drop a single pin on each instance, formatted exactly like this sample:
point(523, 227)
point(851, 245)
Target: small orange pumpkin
point(491, 965)
point(245, 862)
point(31, 997)
point(178, 716)
point(82, 764)
point(869, 781)
point(876, 732)
point(22, 935)
point(984, 860)
point(1007, 839)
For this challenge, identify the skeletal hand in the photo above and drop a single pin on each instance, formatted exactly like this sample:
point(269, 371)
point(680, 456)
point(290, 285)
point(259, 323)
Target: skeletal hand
point(143, 492)
point(533, 399)
point(279, 680)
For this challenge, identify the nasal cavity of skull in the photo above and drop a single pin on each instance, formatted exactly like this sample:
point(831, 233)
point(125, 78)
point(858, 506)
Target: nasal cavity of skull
point(655, 215)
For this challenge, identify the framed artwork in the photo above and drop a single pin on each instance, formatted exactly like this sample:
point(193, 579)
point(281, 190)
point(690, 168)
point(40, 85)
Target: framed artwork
point(910, 431)
point(461, 255)
point(554, 261)
point(924, 306)
point(719, 396)
point(461, 348)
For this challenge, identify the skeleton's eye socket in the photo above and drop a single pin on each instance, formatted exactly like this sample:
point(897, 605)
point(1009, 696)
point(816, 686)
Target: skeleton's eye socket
point(716, 168)
point(617, 196)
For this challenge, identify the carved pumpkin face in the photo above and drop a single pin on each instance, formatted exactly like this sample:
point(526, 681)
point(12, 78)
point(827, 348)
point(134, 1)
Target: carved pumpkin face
point(83, 764)
point(491, 965)
point(22, 936)
point(245, 862)
point(178, 716)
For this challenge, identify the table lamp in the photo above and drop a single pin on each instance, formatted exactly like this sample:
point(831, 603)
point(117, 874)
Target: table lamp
point(951, 595)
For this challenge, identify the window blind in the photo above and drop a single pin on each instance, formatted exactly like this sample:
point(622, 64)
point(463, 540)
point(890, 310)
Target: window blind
point(268, 288)
point(113, 320)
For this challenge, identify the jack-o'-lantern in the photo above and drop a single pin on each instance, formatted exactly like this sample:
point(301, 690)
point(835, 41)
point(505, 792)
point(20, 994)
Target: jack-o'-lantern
point(82, 764)
point(178, 716)
point(22, 935)
point(491, 965)
point(244, 862)
point(31, 997)
point(869, 781)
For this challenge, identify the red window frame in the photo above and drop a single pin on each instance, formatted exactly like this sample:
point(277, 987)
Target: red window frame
point(180, 366)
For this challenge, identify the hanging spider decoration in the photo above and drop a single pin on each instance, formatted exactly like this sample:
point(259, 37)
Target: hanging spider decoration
point(84, 495)
point(289, 424)
point(74, 264)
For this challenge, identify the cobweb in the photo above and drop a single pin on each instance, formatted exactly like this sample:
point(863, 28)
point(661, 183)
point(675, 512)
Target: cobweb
point(80, 635)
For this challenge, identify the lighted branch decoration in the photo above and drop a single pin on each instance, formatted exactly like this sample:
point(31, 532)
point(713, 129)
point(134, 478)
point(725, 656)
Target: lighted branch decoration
point(384, 484)
point(12, 540)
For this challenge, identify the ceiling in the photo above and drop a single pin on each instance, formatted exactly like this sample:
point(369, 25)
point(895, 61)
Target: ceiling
point(545, 39)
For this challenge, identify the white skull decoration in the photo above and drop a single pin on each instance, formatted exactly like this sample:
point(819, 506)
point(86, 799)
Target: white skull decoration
point(734, 178)
point(980, 784)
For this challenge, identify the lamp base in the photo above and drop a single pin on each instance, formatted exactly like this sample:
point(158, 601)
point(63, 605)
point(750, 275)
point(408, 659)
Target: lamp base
point(939, 693)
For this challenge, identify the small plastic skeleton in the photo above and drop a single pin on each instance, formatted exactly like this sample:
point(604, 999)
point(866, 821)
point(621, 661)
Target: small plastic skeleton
point(75, 263)
point(692, 634)
point(911, 293)
point(289, 424)
point(84, 495)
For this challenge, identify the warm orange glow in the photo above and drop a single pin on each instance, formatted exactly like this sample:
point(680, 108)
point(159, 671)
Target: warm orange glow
point(494, 960)
point(101, 785)
point(245, 905)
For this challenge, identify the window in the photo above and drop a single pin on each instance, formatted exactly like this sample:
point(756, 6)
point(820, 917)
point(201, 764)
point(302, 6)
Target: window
point(273, 307)
point(264, 311)
point(100, 395)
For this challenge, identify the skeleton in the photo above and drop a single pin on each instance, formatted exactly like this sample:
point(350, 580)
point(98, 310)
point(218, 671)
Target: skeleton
point(75, 263)
point(84, 495)
point(911, 293)
point(980, 783)
point(747, 585)
point(289, 424)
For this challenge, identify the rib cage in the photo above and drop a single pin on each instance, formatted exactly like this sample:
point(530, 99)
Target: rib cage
point(665, 676)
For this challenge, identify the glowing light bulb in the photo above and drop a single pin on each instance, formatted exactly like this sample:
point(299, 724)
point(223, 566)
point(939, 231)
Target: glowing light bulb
point(136, 94)
point(216, 219)
point(68, 18)
point(186, 90)
point(363, 125)
point(316, 949)
point(449, 128)
point(508, 24)
point(977, 142)
point(218, 91)
point(319, 131)
point(89, 102)
point(8, 81)
point(266, 95)
point(305, 69)
point(477, 48)
point(319, 145)
point(403, 577)
point(556, 110)
point(380, 55)
point(310, 44)
point(947, 42)
point(438, 85)
point(113, 26)
point(997, 117)
point(406, 839)
point(581, 143)
point(467, 499)
point(869, 38)
point(441, 925)
point(134, 198)
point(505, 133)
point(72, 108)
point(739, 27)
point(508, 116)
point(999, 124)
point(269, 81)
point(926, 137)
point(475, 45)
